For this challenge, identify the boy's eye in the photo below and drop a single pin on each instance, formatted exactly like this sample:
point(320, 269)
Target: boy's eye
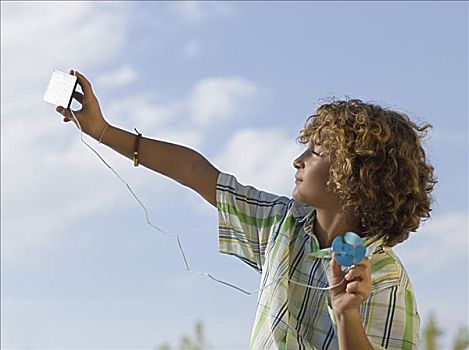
point(315, 153)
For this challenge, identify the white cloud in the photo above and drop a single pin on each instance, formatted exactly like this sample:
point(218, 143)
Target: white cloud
point(210, 100)
point(194, 11)
point(261, 157)
point(216, 99)
point(46, 171)
point(140, 110)
point(38, 37)
point(439, 240)
point(117, 78)
point(154, 120)
point(46, 188)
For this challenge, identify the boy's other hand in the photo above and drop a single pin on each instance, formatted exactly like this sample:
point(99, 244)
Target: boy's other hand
point(354, 290)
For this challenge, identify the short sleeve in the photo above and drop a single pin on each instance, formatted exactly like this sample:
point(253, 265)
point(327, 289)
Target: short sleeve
point(391, 319)
point(246, 219)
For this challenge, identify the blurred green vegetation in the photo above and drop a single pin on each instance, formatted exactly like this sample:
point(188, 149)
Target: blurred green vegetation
point(430, 333)
point(462, 339)
point(186, 342)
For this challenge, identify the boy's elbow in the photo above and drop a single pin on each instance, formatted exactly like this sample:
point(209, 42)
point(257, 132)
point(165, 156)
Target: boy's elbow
point(203, 179)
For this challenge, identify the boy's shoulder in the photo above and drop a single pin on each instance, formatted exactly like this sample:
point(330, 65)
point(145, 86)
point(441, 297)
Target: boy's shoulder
point(387, 270)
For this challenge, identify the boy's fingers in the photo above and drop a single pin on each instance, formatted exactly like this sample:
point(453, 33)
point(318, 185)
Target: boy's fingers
point(78, 96)
point(65, 112)
point(84, 83)
point(360, 271)
point(358, 289)
point(356, 272)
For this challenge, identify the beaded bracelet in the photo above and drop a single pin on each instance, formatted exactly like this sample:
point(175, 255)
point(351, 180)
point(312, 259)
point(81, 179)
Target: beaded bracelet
point(136, 147)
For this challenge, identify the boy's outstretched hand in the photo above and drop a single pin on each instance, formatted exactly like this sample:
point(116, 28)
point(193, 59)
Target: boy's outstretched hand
point(354, 290)
point(89, 116)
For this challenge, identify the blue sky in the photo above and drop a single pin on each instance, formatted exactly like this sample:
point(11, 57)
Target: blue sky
point(236, 81)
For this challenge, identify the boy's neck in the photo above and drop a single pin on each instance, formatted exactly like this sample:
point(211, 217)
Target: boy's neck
point(329, 225)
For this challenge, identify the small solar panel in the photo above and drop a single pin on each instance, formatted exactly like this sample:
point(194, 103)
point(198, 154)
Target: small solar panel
point(60, 89)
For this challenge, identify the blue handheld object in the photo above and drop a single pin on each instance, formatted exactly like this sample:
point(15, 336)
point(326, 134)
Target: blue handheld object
point(350, 249)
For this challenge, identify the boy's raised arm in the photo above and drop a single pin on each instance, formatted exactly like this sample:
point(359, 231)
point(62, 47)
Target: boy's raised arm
point(179, 163)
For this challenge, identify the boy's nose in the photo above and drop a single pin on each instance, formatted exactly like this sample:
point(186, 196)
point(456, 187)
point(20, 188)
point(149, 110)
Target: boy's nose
point(298, 163)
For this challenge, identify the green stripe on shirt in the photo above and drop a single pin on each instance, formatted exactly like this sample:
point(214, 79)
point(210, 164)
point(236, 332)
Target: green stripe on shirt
point(409, 321)
point(245, 218)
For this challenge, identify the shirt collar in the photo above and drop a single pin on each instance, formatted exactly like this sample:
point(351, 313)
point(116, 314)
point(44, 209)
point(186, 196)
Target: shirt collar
point(302, 212)
point(305, 214)
point(371, 243)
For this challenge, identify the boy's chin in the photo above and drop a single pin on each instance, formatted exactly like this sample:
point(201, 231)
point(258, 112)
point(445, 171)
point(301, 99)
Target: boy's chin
point(298, 198)
point(294, 194)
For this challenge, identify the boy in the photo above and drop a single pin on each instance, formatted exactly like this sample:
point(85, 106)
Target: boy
point(364, 171)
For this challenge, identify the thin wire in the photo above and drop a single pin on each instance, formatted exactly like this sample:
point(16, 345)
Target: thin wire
point(186, 262)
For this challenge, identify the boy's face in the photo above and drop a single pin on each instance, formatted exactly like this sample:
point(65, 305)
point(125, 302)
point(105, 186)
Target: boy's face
point(311, 178)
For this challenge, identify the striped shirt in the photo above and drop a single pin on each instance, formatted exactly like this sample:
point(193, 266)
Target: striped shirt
point(273, 234)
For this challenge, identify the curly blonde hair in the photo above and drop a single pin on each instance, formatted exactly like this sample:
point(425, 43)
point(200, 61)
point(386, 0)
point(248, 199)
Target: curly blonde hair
point(378, 165)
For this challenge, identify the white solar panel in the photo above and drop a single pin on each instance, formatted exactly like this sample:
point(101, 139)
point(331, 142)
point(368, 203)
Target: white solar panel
point(60, 89)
